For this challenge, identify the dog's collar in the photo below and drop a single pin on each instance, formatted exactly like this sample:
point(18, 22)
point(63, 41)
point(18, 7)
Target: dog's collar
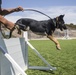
point(54, 21)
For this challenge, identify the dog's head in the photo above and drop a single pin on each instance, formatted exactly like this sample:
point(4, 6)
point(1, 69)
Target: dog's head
point(60, 24)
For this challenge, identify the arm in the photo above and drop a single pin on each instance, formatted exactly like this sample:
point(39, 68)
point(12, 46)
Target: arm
point(9, 11)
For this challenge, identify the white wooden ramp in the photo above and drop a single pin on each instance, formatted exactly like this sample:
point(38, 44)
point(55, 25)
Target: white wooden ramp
point(13, 56)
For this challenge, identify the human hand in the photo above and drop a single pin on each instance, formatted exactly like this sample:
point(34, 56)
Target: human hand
point(19, 9)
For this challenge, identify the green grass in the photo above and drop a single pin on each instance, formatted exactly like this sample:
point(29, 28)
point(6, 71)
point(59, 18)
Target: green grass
point(64, 60)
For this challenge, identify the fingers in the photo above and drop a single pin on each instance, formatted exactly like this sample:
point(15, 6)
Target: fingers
point(19, 9)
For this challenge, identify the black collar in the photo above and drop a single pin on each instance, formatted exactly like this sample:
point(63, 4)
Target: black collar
point(54, 21)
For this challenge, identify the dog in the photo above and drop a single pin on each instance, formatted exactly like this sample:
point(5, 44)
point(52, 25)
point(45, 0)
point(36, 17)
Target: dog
point(43, 27)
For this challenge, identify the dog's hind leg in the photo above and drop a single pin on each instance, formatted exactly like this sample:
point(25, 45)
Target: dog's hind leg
point(55, 41)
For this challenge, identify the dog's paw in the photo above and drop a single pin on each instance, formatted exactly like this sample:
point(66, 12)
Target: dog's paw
point(58, 47)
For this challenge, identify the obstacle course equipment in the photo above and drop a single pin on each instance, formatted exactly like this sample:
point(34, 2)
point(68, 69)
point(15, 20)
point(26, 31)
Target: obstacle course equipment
point(14, 57)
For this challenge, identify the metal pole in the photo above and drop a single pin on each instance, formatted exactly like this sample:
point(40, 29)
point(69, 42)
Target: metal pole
point(39, 55)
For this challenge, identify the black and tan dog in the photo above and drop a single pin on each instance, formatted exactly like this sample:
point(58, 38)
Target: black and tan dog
point(43, 27)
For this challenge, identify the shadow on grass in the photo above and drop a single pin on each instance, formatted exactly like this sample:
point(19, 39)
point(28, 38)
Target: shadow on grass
point(49, 71)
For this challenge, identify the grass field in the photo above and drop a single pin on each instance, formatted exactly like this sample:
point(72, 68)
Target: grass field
point(64, 60)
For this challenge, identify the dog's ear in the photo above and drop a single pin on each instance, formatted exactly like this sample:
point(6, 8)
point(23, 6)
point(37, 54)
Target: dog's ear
point(61, 16)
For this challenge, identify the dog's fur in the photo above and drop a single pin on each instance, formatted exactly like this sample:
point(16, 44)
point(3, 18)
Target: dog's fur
point(42, 27)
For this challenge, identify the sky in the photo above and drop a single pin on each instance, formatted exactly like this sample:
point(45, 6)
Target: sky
point(52, 8)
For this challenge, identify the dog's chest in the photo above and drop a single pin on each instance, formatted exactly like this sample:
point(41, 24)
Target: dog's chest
point(40, 33)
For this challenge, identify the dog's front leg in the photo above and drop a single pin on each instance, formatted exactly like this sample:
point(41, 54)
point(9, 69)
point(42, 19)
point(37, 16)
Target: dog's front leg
point(55, 41)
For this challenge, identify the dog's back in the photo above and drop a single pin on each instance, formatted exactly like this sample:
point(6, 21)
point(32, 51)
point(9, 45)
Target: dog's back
point(34, 25)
